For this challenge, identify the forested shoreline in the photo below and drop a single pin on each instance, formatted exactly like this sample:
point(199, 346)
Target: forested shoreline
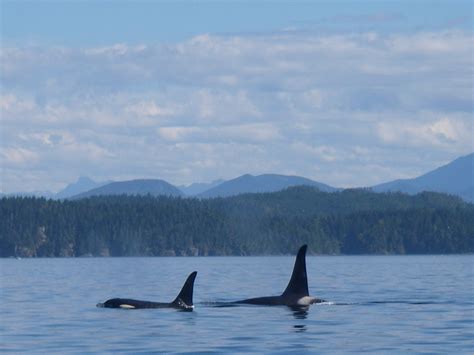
point(346, 222)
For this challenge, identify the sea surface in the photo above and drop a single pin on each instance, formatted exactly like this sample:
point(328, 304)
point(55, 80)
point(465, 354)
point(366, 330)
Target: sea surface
point(378, 304)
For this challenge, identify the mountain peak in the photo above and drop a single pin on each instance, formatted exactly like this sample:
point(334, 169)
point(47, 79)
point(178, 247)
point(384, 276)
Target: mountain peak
point(154, 187)
point(199, 187)
point(456, 178)
point(84, 179)
point(260, 183)
point(82, 184)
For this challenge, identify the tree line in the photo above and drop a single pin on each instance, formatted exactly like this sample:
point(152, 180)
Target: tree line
point(346, 222)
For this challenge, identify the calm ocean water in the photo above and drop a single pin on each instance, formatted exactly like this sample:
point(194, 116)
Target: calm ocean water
point(376, 304)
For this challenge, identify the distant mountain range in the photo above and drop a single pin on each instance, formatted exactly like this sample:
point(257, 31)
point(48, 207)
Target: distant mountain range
point(133, 187)
point(83, 184)
point(220, 188)
point(261, 183)
point(45, 194)
point(198, 188)
point(455, 178)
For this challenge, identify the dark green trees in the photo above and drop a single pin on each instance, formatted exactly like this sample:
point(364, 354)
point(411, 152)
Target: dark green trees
point(348, 222)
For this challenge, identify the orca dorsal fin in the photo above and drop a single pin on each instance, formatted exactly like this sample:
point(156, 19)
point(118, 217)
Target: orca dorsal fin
point(185, 296)
point(298, 284)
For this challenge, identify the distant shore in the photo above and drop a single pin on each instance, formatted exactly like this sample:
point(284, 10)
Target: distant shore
point(350, 222)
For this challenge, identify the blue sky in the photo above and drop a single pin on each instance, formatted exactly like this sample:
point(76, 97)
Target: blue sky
point(84, 23)
point(349, 93)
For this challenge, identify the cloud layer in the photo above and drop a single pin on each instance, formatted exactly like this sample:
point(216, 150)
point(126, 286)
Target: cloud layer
point(347, 110)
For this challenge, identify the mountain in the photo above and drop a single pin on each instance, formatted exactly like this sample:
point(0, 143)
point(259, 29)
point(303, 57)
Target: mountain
point(133, 187)
point(197, 188)
point(455, 178)
point(83, 184)
point(261, 183)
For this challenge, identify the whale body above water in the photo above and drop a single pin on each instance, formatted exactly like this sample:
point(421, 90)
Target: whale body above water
point(184, 300)
point(296, 293)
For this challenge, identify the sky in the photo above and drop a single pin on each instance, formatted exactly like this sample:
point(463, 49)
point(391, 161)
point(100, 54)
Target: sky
point(348, 93)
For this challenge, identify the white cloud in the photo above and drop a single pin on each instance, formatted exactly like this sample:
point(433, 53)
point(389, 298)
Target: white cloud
point(323, 153)
point(244, 133)
point(331, 107)
point(19, 156)
point(177, 133)
point(11, 104)
point(149, 108)
point(443, 132)
point(429, 43)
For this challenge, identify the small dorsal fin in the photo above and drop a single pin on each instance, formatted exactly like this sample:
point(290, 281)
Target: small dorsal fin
point(185, 297)
point(298, 284)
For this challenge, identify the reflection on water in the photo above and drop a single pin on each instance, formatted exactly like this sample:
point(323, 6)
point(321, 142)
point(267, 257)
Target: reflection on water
point(300, 328)
point(300, 313)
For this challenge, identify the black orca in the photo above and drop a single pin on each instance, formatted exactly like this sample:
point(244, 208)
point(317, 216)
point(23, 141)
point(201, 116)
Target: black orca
point(184, 300)
point(296, 293)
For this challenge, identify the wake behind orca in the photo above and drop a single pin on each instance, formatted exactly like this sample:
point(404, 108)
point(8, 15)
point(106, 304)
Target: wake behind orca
point(296, 293)
point(184, 300)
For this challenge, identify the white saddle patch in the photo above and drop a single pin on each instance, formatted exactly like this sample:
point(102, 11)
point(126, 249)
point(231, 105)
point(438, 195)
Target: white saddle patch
point(127, 306)
point(184, 305)
point(306, 301)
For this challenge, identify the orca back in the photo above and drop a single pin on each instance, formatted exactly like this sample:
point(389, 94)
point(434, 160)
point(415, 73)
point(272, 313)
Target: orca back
point(298, 285)
point(183, 301)
point(296, 293)
point(128, 303)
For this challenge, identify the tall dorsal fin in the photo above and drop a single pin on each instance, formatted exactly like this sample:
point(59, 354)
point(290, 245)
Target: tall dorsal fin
point(298, 284)
point(185, 297)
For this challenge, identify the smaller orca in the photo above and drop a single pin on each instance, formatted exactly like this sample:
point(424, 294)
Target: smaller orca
point(184, 300)
point(296, 294)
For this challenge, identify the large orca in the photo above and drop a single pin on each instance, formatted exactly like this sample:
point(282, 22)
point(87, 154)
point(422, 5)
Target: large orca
point(296, 293)
point(184, 300)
